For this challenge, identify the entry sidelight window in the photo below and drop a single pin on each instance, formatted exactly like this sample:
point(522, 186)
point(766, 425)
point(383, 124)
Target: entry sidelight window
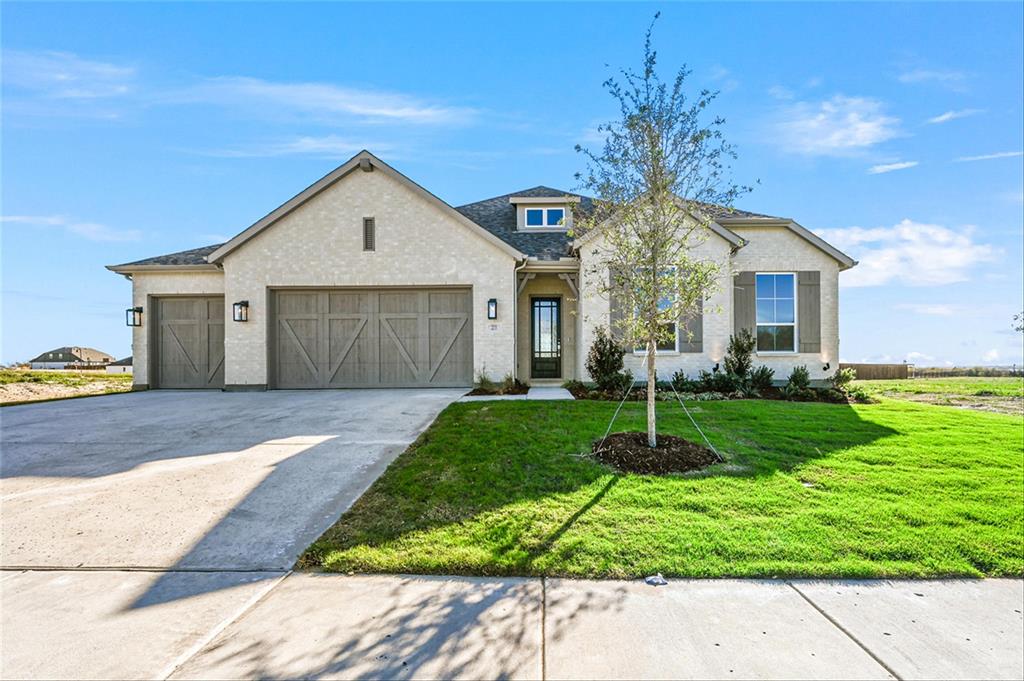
point(369, 234)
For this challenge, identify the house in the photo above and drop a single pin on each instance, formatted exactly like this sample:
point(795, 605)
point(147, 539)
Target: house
point(367, 279)
point(71, 357)
point(121, 366)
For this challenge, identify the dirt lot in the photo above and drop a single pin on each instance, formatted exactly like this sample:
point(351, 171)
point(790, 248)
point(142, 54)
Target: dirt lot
point(19, 385)
point(1001, 395)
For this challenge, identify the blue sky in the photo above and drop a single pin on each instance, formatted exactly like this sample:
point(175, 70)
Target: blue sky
point(131, 130)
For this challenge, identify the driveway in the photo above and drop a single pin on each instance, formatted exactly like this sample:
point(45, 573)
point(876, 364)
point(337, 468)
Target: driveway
point(130, 512)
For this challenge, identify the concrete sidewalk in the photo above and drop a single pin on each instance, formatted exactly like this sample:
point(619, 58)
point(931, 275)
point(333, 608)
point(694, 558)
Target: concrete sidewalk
point(336, 626)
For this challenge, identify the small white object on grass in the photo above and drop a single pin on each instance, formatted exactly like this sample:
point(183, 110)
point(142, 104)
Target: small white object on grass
point(656, 580)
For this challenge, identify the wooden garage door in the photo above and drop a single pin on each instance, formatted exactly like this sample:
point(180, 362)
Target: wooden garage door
point(189, 343)
point(358, 338)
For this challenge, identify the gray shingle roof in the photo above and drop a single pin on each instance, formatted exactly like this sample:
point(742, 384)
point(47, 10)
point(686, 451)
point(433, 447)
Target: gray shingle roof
point(498, 216)
point(195, 256)
point(73, 353)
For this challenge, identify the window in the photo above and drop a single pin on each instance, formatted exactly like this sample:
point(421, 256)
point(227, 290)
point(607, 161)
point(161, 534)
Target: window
point(369, 234)
point(671, 344)
point(776, 312)
point(545, 217)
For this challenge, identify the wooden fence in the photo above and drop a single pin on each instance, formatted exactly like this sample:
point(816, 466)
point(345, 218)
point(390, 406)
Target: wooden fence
point(870, 372)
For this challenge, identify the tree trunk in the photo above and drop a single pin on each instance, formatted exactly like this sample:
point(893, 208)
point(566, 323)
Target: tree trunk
point(652, 437)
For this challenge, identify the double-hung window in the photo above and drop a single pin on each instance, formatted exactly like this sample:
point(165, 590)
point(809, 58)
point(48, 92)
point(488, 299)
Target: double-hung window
point(776, 312)
point(545, 217)
point(669, 342)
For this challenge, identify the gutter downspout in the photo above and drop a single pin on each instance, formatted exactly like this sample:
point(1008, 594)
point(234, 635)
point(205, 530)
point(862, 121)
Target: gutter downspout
point(515, 316)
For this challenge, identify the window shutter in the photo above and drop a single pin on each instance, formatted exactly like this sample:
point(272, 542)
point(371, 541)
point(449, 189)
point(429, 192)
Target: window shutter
point(369, 234)
point(616, 309)
point(744, 302)
point(695, 325)
point(809, 311)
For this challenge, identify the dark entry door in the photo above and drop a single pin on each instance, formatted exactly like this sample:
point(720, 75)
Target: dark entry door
point(546, 334)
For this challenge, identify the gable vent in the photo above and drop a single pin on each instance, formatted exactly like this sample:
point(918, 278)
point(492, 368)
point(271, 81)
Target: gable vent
point(369, 234)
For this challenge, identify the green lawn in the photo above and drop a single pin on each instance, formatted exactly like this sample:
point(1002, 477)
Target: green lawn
point(966, 385)
point(894, 489)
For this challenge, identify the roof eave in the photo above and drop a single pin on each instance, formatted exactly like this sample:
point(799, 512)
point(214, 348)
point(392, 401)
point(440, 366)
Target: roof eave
point(132, 269)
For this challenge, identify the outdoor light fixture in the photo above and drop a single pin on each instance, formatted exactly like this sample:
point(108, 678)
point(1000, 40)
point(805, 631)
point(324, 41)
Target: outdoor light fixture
point(827, 366)
point(492, 308)
point(716, 367)
point(133, 316)
point(240, 311)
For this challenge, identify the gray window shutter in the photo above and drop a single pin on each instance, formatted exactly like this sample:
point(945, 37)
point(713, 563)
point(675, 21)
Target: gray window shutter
point(369, 234)
point(695, 325)
point(744, 302)
point(616, 309)
point(809, 311)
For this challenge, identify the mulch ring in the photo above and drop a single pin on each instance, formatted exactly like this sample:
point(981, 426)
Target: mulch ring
point(629, 453)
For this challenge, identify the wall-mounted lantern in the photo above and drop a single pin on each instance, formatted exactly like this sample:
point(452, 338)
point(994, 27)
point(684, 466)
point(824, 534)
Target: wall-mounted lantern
point(133, 316)
point(240, 311)
point(828, 365)
point(492, 308)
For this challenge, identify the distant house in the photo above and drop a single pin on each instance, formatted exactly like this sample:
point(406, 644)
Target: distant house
point(71, 357)
point(121, 366)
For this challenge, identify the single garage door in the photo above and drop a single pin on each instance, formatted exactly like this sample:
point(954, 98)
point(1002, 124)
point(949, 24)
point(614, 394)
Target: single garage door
point(189, 342)
point(359, 338)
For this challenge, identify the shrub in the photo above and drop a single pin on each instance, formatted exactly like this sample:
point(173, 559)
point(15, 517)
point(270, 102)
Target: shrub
point(799, 378)
point(511, 386)
point(484, 382)
point(716, 381)
point(841, 379)
point(738, 359)
point(761, 378)
point(604, 361)
point(682, 384)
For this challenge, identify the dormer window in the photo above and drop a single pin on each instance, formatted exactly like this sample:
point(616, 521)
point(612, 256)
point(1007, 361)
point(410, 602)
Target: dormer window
point(544, 213)
point(545, 217)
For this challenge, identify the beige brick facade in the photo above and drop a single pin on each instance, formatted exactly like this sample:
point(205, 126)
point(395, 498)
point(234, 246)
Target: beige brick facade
point(320, 245)
point(770, 249)
point(316, 241)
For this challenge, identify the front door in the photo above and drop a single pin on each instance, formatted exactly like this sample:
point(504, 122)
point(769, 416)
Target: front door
point(546, 335)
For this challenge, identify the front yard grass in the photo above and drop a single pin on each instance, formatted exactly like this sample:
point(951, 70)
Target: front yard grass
point(894, 489)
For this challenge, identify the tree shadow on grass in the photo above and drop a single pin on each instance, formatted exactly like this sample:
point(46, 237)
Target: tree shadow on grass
point(479, 458)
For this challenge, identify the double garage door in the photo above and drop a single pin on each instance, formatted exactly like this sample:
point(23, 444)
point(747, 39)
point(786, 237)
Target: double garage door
point(357, 338)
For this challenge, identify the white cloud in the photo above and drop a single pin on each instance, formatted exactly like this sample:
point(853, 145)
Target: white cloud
point(87, 230)
point(950, 78)
point(215, 238)
point(324, 101)
point(911, 253)
point(938, 309)
point(722, 75)
point(954, 115)
point(990, 356)
point(780, 92)
point(327, 146)
point(63, 75)
point(835, 127)
point(918, 357)
point(889, 167)
point(989, 157)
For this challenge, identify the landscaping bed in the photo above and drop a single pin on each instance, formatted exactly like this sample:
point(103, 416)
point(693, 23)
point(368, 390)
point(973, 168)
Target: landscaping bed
point(630, 453)
point(895, 489)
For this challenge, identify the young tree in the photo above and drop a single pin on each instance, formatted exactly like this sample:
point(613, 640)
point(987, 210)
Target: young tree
point(658, 181)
